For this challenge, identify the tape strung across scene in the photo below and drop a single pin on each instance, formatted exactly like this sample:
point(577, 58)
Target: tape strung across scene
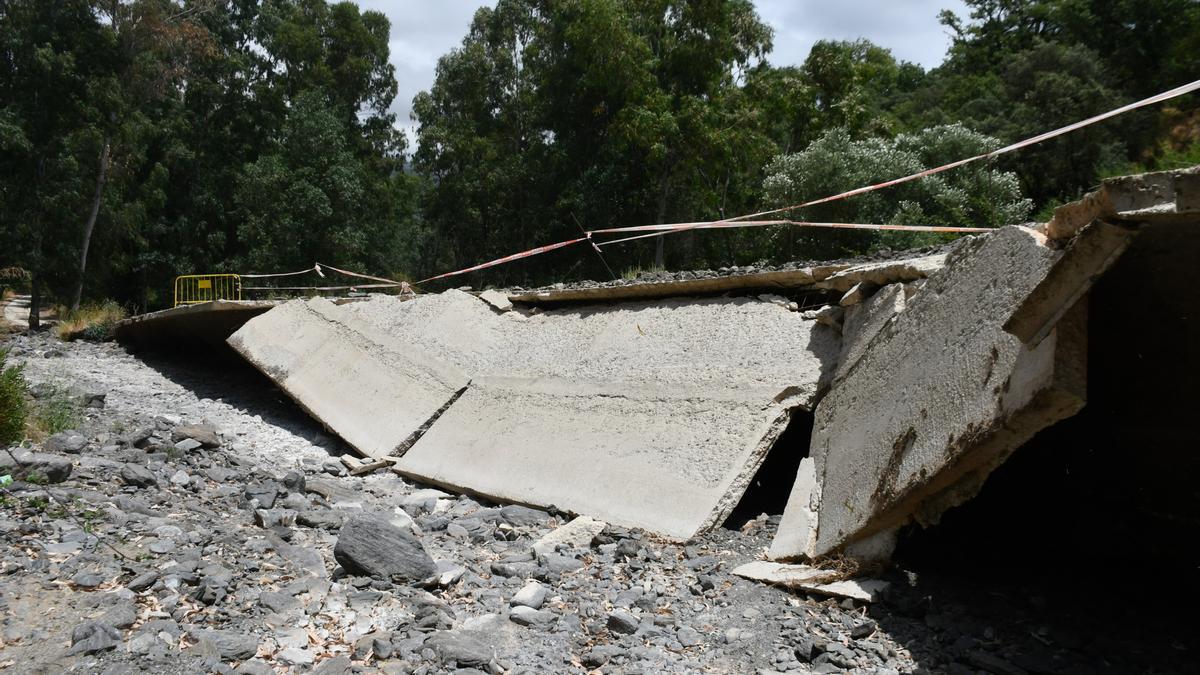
point(404, 286)
point(314, 268)
point(509, 258)
point(744, 220)
point(1157, 98)
point(657, 230)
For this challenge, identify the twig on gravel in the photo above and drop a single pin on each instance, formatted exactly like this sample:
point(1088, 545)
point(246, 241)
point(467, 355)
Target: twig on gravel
point(66, 510)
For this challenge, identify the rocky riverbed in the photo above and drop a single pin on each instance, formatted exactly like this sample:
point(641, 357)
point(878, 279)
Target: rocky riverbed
point(197, 521)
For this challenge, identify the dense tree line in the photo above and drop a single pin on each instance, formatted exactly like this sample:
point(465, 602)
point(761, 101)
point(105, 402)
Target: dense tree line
point(140, 139)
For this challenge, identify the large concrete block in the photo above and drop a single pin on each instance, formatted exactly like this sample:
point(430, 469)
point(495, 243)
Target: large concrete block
point(940, 395)
point(364, 385)
point(673, 460)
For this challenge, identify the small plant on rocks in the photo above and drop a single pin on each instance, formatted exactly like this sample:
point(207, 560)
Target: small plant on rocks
point(56, 412)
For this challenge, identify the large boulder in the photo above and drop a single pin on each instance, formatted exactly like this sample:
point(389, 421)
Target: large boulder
point(373, 547)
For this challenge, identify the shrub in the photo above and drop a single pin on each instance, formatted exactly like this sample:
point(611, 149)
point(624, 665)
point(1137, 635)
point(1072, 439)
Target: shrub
point(12, 402)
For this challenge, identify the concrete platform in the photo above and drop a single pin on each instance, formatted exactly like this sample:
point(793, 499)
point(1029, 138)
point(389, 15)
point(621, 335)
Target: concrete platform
point(207, 324)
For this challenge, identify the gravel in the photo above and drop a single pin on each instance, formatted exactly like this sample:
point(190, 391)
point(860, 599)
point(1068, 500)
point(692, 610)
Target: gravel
point(267, 558)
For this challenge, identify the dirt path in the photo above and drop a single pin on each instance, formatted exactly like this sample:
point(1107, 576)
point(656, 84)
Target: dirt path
point(16, 312)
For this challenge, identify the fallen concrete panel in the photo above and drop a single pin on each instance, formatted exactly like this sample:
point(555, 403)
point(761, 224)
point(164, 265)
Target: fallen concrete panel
point(209, 323)
point(373, 391)
point(812, 580)
point(940, 395)
point(669, 459)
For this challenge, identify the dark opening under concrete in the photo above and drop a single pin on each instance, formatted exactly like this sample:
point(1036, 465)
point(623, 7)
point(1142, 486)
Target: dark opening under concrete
point(772, 483)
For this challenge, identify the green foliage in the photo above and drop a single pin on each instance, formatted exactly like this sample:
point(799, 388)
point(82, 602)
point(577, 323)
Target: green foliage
point(13, 408)
point(259, 137)
point(975, 197)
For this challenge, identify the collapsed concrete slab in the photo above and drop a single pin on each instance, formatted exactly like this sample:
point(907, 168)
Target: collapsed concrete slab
point(373, 391)
point(669, 459)
point(941, 394)
point(651, 415)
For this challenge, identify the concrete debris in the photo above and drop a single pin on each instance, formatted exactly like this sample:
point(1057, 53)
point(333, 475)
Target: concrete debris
point(883, 273)
point(829, 315)
point(813, 580)
point(857, 293)
point(578, 533)
point(1164, 196)
point(499, 301)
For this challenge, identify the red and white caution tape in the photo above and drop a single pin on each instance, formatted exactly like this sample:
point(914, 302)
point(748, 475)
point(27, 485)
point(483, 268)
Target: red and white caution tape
point(745, 220)
point(314, 268)
point(657, 230)
point(1157, 98)
point(509, 258)
point(399, 284)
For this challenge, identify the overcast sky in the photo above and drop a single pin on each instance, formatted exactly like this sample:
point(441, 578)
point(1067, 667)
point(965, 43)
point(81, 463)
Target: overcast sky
point(423, 30)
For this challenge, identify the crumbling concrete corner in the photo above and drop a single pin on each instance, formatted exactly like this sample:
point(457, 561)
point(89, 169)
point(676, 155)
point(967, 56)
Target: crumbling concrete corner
point(937, 393)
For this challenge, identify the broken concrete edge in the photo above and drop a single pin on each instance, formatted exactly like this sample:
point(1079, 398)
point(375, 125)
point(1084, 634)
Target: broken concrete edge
point(798, 524)
point(735, 487)
point(813, 580)
point(308, 386)
point(836, 278)
point(1089, 254)
point(1148, 197)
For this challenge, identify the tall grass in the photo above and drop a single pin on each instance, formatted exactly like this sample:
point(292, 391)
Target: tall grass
point(90, 322)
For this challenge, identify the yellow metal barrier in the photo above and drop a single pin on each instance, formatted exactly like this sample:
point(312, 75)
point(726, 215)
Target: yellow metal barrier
point(192, 289)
